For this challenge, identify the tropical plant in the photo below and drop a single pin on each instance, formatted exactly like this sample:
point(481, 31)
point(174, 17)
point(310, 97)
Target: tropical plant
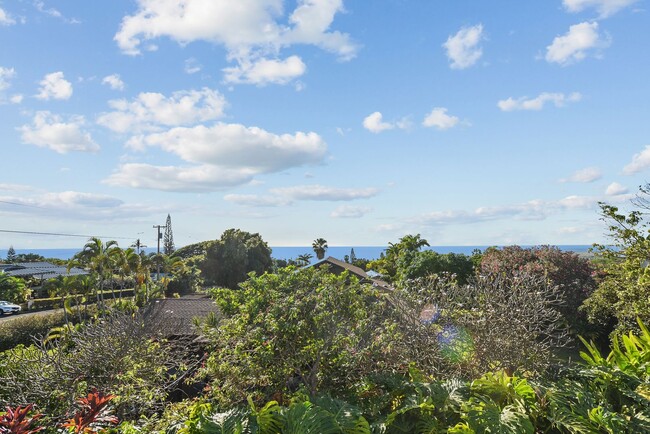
point(17, 421)
point(99, 256)
point(237, 253)
point(92, 415)
point(13, 289)
point(320, 247)
point(623, 294)
point(304, 259)
point(297, 329)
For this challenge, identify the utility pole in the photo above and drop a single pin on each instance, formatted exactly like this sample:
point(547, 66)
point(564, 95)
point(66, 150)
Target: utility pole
point(159, 227)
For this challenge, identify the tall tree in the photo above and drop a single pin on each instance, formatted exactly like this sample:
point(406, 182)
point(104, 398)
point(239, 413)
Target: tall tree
point(11, 255)
point(168, 241)
point(353, 256)
point(229, 260)
point(320, 247)
point(99, 258)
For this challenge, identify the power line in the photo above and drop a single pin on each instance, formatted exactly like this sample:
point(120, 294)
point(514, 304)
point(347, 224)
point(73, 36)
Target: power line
point(61, 235)
point(20, 204)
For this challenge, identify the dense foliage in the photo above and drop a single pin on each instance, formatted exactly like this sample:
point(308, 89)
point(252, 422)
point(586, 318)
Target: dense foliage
point(624, 292)
point(604, 395)
point(229, 260)
point(13, 289)
point(297, 329)
point(571, 274)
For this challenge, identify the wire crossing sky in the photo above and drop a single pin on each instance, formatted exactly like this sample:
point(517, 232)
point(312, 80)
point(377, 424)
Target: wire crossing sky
point(469, 122)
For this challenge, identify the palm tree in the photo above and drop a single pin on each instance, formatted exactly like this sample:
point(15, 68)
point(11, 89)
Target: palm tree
point(320, 246)
point(98, 257)
point(304, 259)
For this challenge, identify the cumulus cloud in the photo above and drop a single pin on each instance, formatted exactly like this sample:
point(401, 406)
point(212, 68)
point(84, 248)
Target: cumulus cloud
point(640, 162)
point(252, 31)
point(350, 212)
point(264, 71)
point(538, 103)
point(5, 18)
point(615, 189)
point(463, 48)
point(288, 195)
point(589, 174)
point(199, 178)
point(114, 81)
point(150, 111)
point(222, 155)
point(55, 86)
point(576, 44)
point(16, 99)
point(439, 119)
point(605, 8)
point(375, 124)
point(51, 131)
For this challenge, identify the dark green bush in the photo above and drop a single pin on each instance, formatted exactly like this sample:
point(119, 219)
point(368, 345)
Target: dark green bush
point(22, 329)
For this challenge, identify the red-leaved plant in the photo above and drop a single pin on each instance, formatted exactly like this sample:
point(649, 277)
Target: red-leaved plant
point(93, 414)
point(15, 421)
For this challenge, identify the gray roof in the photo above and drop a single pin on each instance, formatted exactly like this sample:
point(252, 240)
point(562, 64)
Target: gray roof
point(42, 270)
point(175, 316)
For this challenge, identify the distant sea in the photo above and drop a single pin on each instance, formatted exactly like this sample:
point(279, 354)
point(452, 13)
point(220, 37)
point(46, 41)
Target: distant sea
point(367, 252)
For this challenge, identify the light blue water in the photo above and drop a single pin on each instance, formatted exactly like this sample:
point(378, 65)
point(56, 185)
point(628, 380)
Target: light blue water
point(367, 252)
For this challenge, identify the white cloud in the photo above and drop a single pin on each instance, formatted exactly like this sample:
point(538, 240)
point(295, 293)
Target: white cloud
point(589, 174)
point(350, 212)
point(322, 193)
point(40, 6)
point(375, 124)
point(150, 111)
point(5, 18)
point(256, 200)
point(74, 205)
point(252, 31)
point(574, 46)
point(50, 131)
point(440, 119)
point(264, 71)
point(288, 195)
point(181, 179)
point(538, 103)
point(192, 66)
point(614, 189)
point(463, 49)
point(605, 8)
point(640, 162)
point(16, 99)
point(114, 81)
point(222, 155)
point(55, 86)
point(235, 145)
point(6, 75)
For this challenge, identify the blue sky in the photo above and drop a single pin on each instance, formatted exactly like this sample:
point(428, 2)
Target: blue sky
point(469, 122)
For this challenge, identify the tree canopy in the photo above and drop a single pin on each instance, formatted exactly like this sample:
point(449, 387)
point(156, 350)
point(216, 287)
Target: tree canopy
point(229, 260)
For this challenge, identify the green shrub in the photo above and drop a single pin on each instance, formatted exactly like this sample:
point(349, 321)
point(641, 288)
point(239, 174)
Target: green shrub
point(22, 329)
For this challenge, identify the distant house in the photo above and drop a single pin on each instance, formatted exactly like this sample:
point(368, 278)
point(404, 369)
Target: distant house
point(337, 266)
point(175, 317)
point(40, 270)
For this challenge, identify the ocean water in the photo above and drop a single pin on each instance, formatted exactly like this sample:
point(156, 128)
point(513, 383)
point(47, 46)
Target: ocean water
point(281, 252)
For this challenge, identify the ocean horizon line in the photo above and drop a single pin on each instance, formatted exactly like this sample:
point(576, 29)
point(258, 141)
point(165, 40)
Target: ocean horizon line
point(292, 252)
